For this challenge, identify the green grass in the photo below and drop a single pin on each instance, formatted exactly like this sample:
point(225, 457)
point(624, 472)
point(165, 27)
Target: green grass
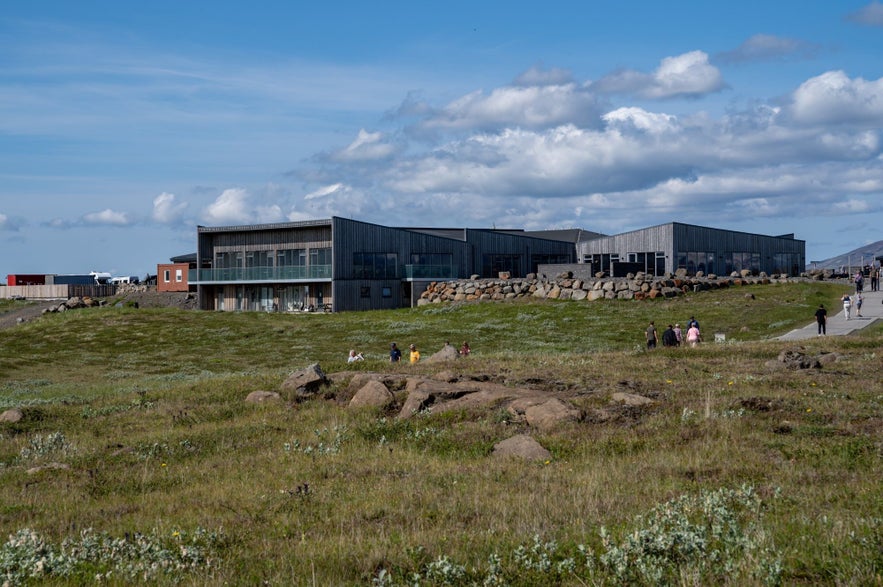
point(145, 409)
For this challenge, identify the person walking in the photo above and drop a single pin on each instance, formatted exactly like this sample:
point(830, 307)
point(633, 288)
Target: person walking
point(669, 338)
point(858, 305)
point(651, 335)
point(414, 355)
point(395, 355)
point(847, 304)
point(822, 319)
point(693, 336)
point(679, 334)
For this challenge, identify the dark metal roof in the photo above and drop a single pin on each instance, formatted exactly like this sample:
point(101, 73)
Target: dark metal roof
point(188, 258)
point(269, 226)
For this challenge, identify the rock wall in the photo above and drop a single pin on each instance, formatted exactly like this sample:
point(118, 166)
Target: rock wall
point(637, 286)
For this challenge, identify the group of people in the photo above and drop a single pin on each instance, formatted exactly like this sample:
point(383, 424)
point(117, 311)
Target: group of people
point(848, 302)
point(673, 336)
point(395, 354)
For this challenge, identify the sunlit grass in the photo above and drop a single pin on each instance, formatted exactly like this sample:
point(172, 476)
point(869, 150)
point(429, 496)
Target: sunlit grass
point(144, 409)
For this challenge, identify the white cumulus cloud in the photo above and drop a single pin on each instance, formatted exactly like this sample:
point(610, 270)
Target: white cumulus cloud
point(689, 74)
point(538, 106)
point(165, 208)
point(834, 97)
point(107, 216)
point(234, 206)
point(641, 119)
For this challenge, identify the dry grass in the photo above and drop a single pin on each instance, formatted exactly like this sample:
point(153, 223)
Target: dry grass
point(151, 407)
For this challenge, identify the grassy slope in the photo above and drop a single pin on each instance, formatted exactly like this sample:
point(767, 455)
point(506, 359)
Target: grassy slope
point(151, 403)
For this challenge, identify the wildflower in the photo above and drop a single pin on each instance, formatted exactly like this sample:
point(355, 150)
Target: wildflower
point(729, 383)
point(163, 465)
point(808, 410)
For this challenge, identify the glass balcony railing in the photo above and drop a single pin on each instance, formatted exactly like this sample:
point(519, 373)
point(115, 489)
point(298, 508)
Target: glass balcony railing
point(302, 272)
point(430, 271)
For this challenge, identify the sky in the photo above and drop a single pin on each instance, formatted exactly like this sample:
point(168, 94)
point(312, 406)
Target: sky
point(125, 125)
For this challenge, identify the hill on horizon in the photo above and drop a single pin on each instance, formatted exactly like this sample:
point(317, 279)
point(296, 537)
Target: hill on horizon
point(855, 258)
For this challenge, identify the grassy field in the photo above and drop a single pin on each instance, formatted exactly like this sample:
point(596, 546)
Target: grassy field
point(137, 458)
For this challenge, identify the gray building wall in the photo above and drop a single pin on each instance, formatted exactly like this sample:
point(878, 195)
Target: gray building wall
point(682, 244)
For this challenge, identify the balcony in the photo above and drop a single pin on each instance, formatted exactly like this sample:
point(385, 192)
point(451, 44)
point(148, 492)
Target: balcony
point(430, 272)
point(260, 274)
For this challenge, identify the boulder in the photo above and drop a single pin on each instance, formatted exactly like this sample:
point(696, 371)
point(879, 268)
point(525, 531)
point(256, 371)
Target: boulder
point(795, 359)
point(521, 446)
point(545, 414)
point(259, 397)
point(13, 415)
point(373, 394)
point(305, 382)
point(631, 399)
point(447, 353)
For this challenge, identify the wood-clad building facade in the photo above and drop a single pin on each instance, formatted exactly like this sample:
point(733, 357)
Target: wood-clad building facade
point(343, 264)
point(669, 247)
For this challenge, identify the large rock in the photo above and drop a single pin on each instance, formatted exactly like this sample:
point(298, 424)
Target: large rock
point(522, 446)
point(14, 415)
point(259, 397)
point(544, 413)
point(305, 382)
point(631, 399)
point(373, 394)
point(447, 353)
point(795, 359)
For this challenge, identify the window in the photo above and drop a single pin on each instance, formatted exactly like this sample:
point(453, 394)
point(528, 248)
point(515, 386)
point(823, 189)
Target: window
point(291, 258)
point(375, 265)
point(320, 257)
point(387, 292)
point(166, 275)
point(179, 275)
point(259, 259)
point(493, 264)
point(228, 260)
point(365, 291)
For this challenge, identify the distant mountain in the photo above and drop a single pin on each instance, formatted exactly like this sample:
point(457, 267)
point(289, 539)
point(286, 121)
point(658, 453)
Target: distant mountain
point(856, 258)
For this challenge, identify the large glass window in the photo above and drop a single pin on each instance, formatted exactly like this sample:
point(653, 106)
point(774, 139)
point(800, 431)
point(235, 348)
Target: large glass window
point(228, 260)
point(443, 259)
point(291, 257)
point(375, 265)
point(738, 261)
point(320, 257)
point(694, 261)
point(493, 264)
point(259, 259)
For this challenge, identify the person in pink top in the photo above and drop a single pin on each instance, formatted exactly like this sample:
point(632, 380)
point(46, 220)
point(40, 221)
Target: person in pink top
point(693, 336)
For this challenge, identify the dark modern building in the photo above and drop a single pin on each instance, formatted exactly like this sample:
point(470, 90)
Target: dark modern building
point(669, 247)
point(340, 264)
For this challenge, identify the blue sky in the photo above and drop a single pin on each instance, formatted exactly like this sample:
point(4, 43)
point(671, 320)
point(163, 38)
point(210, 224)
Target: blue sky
point(124, 126)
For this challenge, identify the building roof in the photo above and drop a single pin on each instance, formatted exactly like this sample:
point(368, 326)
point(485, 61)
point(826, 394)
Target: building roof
point(188, 258)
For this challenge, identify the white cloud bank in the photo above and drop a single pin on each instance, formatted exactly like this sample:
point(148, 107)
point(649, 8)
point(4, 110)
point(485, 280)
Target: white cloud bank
point(234, 206)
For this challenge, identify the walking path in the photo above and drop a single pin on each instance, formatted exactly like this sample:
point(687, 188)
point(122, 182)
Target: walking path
point(872, 310)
